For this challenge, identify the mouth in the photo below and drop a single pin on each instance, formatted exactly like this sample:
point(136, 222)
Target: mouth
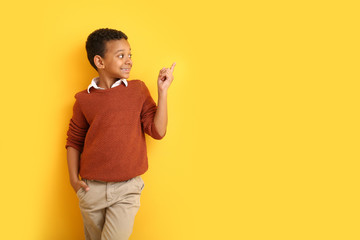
point(127, 70)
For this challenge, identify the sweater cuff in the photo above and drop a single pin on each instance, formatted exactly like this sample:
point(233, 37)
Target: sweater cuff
point(77, 147)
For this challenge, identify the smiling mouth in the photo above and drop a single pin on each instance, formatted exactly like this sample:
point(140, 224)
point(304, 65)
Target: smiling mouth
point(126, 69)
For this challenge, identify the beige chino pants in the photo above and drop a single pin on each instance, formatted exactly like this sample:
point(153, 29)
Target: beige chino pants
point(109, 208)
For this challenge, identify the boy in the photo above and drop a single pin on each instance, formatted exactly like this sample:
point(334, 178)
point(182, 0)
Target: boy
point(106, 142)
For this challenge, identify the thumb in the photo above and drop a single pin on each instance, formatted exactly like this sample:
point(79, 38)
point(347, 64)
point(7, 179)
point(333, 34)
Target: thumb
point(84, 186)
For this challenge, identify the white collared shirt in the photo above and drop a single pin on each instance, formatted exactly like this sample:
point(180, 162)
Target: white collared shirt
point(95, 81)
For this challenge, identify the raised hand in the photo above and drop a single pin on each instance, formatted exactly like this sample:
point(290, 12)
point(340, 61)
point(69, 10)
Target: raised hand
point(165, 78)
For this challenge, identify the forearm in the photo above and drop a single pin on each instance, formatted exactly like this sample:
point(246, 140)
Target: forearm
point(161, 116)
point(73, 158)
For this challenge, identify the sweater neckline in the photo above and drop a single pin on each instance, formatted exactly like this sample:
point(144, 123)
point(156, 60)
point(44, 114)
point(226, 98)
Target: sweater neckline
point(94, 90)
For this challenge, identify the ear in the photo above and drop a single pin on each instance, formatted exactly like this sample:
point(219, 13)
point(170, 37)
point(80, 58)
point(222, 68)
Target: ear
point(99, 62)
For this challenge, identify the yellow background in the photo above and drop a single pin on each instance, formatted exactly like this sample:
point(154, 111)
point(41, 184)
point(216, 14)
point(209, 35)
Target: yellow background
point(263, 134)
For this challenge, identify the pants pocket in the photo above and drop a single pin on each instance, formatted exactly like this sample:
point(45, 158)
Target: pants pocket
point(81, 192)
point(140, 182)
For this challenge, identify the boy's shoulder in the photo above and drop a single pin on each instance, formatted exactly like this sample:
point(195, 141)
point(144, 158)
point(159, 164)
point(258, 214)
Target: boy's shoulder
point(81, 93)
point(135, 82)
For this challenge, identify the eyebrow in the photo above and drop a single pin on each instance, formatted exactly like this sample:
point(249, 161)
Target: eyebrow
point(121, 50)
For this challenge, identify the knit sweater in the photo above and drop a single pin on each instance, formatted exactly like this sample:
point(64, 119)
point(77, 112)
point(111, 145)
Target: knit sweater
point(108, 128)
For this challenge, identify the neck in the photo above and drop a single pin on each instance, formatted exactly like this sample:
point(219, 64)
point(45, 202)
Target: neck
point(105, 81)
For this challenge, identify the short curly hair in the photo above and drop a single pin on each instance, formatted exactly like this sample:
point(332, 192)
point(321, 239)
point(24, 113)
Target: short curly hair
point(96, 42)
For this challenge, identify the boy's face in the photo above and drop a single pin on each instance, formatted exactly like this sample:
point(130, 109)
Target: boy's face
point(117, 59)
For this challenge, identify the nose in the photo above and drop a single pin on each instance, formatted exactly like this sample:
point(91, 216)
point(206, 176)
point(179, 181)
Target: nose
point(128, 60)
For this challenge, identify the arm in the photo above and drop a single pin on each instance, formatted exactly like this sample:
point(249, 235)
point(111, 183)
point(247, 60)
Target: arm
point(78, 127)
point(164, 81)
point(161, 117)
point(73, 158)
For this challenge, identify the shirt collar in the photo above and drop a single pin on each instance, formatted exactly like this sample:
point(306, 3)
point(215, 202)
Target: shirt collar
point(95, 81)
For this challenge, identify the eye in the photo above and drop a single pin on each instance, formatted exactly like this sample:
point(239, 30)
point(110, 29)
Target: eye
point(121, 56)
point(130, 55)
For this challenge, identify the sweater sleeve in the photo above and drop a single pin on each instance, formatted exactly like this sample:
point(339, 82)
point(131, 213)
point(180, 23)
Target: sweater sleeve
point(77, 128)
point(148, 113)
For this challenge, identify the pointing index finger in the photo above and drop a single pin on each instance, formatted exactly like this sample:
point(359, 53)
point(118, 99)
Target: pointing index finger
point(172, 67)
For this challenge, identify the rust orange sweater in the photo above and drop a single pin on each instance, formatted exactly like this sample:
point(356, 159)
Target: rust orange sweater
point(108, 128)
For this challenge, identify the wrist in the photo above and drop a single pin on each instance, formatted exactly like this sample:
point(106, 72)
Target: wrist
point(162, 94)
point(74, 180)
